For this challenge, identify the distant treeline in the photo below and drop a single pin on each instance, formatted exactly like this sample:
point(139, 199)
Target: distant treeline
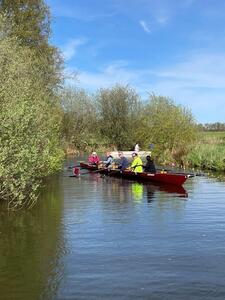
point(118, 118)
point(217, 126)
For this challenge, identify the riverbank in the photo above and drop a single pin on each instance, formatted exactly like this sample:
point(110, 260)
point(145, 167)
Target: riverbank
point(209, 152)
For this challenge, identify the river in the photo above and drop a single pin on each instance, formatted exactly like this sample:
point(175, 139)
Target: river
point(97, 237)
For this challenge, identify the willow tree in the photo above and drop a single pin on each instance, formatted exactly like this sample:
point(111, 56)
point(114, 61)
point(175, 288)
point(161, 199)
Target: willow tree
point(79, 126)
point(170, 127)
point(30, 127)
point(118, 109)
point(29, 21)
point(29, 113)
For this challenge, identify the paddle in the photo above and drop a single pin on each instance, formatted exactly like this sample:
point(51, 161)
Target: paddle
point(181, 173)
point(71, 167)
point(90, 172)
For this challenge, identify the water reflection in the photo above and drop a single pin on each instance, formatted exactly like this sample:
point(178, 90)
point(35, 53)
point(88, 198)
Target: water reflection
point(123, 190)
point(178, 191)
point(88, 233)
point(31, 247)
point(147, 190)
point(33, 244)
point(137, 192)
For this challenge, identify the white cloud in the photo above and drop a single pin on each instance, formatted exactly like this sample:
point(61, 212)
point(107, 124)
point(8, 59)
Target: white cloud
point(70, 49)
point(113, 73)
point(144, 26)
point(198, 82)
point(199, 71)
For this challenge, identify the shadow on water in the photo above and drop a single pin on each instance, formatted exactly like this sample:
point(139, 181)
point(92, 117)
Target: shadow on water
point(31, 248)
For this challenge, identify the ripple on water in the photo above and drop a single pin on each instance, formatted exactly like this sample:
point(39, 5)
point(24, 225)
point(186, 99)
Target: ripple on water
point(102, 238)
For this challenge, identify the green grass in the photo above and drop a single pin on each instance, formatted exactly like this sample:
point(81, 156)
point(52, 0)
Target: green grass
point(208, 152)
point(212, 137)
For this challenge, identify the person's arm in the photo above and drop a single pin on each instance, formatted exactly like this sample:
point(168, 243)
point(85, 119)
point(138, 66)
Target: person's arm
point(133, 164)
point(124, 164)
point(109, 160)
point(106, 161)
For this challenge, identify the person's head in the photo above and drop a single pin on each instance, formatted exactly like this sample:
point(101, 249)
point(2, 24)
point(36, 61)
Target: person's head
point(108, 153)
point(148, 158)
point(120, 154)
point(134, 155)
point(94, 154)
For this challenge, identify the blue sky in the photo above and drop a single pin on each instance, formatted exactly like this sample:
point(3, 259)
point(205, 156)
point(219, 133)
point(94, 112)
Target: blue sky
point(174, 48)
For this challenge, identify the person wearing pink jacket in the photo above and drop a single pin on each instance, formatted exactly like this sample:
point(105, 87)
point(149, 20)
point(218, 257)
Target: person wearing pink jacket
point(93, 159)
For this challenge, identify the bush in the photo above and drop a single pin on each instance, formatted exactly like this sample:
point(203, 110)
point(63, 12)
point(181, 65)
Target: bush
point(171, 128)
point(30, 125)
point(80, 130)
point(118, 113)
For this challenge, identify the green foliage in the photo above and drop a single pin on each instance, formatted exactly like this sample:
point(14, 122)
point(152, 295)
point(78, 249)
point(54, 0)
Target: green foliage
point(29, 22)
point(117, 117)
point(80, 129)
point(118, 110)
point(29, 19)
point(171, 128)
point(209, 152)
point(211, 157)
point(30, 124)
point(212, 137)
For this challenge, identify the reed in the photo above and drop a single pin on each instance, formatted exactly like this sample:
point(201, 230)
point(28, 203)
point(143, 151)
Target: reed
point(209, 152)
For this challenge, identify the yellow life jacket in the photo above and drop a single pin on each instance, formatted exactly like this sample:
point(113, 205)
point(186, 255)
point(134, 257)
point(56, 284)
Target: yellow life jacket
point(136, 165)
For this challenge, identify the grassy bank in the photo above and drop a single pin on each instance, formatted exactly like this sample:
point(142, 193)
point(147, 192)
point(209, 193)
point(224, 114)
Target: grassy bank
point(209, 152)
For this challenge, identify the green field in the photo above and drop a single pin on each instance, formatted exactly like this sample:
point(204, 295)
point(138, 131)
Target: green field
point(209, 151)
point(212, 137)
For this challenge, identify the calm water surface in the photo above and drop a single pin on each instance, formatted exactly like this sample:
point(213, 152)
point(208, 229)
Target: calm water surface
point(103, 238)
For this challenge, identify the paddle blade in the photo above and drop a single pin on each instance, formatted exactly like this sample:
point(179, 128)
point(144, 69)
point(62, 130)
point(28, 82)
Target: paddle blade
point(76, 171)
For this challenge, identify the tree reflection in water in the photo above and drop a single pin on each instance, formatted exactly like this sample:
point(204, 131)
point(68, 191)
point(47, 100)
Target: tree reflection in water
point(32, 245)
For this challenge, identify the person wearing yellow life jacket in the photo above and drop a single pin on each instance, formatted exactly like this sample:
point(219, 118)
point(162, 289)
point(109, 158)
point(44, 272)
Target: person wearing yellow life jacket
point(136, 164)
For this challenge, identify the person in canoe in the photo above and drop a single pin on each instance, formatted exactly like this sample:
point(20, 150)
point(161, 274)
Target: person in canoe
point(136, 165)
point(124, 163)
point(93, 159)
point(149, 166)
point(108, 161)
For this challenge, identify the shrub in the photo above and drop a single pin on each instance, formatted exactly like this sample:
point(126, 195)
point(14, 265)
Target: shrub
point(30, 125)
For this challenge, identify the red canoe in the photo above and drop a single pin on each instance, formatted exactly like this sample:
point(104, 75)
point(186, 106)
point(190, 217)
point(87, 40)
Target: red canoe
point(161, 177)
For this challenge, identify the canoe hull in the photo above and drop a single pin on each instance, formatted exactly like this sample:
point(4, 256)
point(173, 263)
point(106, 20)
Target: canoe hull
point(167, 178)
point(88, 166)
point(149, 177)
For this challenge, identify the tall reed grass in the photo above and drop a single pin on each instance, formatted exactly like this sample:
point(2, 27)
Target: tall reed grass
point(209, 152)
